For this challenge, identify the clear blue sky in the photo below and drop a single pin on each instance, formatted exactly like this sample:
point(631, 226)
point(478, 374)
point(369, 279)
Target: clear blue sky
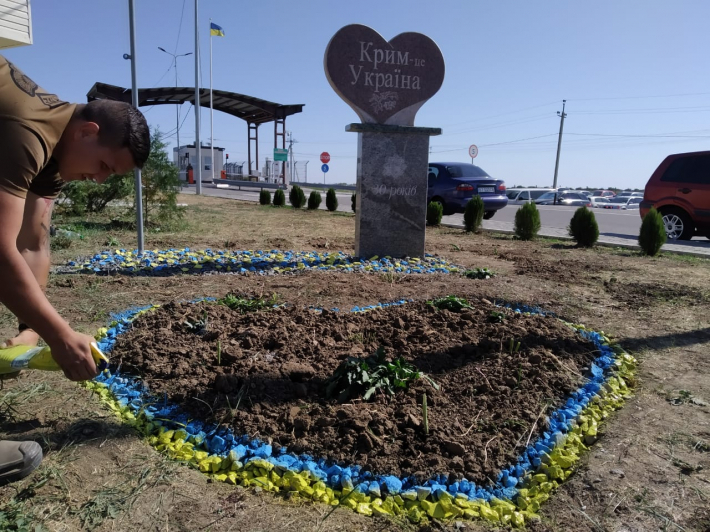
point(635, 75)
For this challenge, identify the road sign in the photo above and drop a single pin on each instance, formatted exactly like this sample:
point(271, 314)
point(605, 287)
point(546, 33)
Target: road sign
point(325, 158)
point(280, 154)
point(324, 168)
point(473, 151)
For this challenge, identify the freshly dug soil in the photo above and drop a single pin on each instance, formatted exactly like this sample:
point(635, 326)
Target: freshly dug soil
point(265, 374)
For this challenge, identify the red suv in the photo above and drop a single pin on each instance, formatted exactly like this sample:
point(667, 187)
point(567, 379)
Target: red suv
point(680, 190)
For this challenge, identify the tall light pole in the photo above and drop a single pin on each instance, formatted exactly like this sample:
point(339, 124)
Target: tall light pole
point(135, 102)
point(562, 116)
point(177, 107)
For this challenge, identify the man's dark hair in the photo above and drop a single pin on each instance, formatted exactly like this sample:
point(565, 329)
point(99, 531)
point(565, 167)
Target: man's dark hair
point(120, 126)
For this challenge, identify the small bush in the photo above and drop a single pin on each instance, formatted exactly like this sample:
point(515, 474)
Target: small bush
point(331, 200)
point(354, 201)
point(314, 200)
point(653, 233)
point(434, 212)
point(473, 214)
point(296, 197)
point(583, 227)
point(264, 197)
point(279, 198)
point(527, 222)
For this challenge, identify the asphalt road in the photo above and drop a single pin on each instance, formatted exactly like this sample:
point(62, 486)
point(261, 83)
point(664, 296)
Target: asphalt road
point(611, 223)
point(615, 225)
point(551, 216)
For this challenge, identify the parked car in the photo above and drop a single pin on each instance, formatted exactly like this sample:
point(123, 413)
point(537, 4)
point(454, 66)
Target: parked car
point(572, 199)
point(623, 202)
point(680, 190)
point(603, 193)
point(629, 194)
point(454, 184)
point(517, 196)
point(599, 201)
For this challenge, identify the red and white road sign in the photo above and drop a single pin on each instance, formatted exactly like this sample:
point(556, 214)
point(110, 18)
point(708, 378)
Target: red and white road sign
point(325, 157)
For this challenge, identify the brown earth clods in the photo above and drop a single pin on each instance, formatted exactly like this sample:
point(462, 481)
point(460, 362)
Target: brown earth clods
point(265, 374)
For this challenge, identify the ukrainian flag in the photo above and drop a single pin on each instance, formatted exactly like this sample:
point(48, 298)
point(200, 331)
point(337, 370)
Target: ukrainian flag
point(216, 30)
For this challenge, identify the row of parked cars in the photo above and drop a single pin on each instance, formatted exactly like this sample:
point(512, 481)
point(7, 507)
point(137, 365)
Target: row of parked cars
point(679, 189)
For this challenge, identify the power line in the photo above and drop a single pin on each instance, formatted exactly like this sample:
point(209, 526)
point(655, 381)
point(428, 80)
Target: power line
point(182, 13)
point(501, 114)
point(640, 97)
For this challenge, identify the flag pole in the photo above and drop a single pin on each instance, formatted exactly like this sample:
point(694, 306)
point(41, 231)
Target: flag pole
point(198, 153)
point(211, 107)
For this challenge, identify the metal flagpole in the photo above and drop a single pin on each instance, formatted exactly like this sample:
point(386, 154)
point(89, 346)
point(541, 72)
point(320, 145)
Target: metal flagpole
point(134, 101)
point(198, 153)
point(211, 109)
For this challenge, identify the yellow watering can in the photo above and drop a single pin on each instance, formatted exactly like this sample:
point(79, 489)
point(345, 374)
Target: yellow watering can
point(19, 357)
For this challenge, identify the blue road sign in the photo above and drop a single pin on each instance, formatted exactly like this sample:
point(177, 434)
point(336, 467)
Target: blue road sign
point(324, 168)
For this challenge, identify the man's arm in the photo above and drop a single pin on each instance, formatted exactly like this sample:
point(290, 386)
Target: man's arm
point(20, 290)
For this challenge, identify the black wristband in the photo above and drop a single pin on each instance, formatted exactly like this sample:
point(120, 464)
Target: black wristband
point(23, 327)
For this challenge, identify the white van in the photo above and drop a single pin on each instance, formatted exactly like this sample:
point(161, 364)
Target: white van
point(518, 196)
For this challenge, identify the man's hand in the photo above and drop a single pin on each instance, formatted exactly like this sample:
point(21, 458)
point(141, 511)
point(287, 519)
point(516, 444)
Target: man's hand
point(26, 337)
point(73, 354)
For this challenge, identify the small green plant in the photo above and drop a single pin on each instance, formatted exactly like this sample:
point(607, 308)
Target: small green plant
point(434, 212)
point(583, 227)
point(496, 317)
point(197, 325)
point(60, 242)
point(112, 242)
point(279, 198)
point(314, 200)
point(479, 273)
point(264, 197)
point(473, 214)
point(513, 346)
point(247, 304)
point(425, 415)
point(331, 200)
point(362, 377)
point(653, 233)
point(219, 353)
point(527, 222)
point(296, 197)
point(353, 201)
point(452, 303)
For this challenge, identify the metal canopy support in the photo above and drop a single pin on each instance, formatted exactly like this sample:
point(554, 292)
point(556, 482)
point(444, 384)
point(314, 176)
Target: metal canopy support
point(254, 137)
point(280, 132)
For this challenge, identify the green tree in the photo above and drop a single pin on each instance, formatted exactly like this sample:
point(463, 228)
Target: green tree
point(473, 214)
point(331, 200)
point(81, 197)
point(314, 200)
point(583, 227)
point(653, 233)
point(527, 222)
point(434, 212)
point(161, 184)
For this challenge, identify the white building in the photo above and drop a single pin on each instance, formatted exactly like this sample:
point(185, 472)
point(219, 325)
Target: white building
point(187, 154)
point(15, 23)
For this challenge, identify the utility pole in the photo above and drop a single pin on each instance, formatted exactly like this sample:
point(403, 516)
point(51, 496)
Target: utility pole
point(134, 101)
point(559, 143)
point(177, 107)
point(292, 163)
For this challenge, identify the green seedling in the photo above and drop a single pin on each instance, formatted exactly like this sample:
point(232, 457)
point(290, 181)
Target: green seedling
point(479, 273)
point(362, 377)
point(246, 304)
point(514, 346)
point(496, 317)
point(425, 415)
point(219, 353)
point(197, 325)
point(452, 303)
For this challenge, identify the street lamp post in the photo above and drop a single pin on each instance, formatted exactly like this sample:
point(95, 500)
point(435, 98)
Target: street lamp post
point(177, 108)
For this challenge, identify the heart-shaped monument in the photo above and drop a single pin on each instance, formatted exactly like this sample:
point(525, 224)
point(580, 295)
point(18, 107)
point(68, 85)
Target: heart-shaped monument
point(384, 82)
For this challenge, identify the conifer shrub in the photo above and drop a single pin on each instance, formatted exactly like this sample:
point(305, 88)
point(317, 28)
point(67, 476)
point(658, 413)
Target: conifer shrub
point(314, 200)
point(264, 197)
point(353, 201)
point(473, 214)
point(583, 227)
point(653, 233)
point(279, 198)
point(434, 212)
point(331, 200)
point(527, 222)
point(296, 197)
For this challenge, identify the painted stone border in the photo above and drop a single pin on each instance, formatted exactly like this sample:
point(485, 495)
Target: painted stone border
point(514, 500)
point(171, 261)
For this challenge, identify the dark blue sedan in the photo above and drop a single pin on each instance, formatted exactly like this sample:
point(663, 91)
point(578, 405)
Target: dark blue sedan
point(454, 184)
